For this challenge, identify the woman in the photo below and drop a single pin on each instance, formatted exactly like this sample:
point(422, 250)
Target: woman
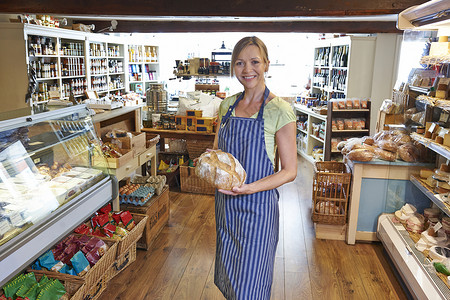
point(247, 217)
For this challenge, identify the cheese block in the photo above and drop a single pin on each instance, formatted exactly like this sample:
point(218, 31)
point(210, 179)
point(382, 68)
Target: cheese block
point(221, 169)
point(425, 173)
point(439, 48)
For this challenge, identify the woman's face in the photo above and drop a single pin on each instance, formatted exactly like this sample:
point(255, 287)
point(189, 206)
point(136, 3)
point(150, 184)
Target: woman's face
point(250, 67)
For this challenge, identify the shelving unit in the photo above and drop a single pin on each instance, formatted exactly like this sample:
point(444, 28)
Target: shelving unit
point(306, 140)
point(334, 114)
point(143, 66)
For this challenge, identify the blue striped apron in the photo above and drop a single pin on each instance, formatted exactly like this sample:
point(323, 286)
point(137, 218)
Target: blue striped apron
point(246, 225)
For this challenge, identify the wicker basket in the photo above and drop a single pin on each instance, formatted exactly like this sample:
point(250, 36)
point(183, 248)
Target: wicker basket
point(122, 262)
point(190, 183)
point(331, 186)
point(151, 139)
point(196, 147)
point(84, 284)
point(132, 237)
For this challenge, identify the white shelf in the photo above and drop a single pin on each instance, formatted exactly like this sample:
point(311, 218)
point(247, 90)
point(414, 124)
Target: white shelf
point(302, 131)
point(317, 138)
point(72, 56)
point(96, 75)
point(49, 78)
point(306, 156)
point(120, 73)
point(115, 57)
point(70, 77)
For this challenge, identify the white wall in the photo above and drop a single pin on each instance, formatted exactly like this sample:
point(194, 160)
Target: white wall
point(294, 50)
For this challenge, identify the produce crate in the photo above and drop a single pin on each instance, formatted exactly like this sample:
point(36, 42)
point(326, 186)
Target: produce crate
point(122, 262)
point(196, 147)
point(191, 183)
point(94, 279)
point(157, 210)
point(113, 163)
point(331, 186)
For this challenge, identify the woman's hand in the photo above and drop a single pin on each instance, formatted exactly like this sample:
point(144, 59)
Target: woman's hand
point(242, 190)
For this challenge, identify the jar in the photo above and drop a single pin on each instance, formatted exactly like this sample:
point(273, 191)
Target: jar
point(157, 98)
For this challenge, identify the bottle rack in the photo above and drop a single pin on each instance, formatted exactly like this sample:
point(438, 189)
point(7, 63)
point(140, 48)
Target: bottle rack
point(143, 67)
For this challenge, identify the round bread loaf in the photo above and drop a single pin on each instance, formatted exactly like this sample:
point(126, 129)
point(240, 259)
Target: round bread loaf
point(221, 169)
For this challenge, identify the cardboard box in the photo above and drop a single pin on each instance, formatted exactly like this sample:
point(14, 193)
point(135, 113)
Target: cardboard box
point(136, 143)
point(180, 122)
point(191, 122)
point(194, 113)
point(206, 121)
point(384, 118)
point(204, 128)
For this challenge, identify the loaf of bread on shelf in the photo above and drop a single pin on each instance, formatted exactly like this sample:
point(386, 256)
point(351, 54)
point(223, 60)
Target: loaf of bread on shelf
point(221, 169)
point(385, 155)
point(360, 155)
point(408, 152)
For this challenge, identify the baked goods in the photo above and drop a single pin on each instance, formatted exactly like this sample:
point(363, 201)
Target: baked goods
point(385, 155)
point(360, 155)
point(388, 145)
point(221, 169)
point(408, 153)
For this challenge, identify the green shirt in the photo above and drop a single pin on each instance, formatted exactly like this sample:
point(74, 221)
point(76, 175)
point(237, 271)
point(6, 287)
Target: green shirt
point(277, 113)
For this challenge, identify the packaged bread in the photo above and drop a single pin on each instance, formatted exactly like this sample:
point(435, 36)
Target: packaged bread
point(385, 155)
point(220, 169)
point(360, 155)
point(388, 145)
point(402, 139)
point(368, 140)
point(408, 152)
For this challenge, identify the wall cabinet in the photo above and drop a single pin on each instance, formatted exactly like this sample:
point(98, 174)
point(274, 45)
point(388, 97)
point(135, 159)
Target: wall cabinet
point(143, 67)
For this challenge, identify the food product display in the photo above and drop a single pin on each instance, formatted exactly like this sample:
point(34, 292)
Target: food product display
point(221, 169)
point(25, 286)
point(136, 194)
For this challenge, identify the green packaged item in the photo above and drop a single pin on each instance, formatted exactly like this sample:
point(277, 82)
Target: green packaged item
point(14, 285)
point(26, 285)
point(44, 280)
point(441, 268)
point(32, 293)
point(52, 291)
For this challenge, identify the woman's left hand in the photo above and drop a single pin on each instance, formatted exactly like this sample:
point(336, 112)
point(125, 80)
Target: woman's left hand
point(243, 189)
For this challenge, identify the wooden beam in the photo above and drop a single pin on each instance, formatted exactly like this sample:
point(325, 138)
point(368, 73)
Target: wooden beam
point(186, 26)
point(255, 8)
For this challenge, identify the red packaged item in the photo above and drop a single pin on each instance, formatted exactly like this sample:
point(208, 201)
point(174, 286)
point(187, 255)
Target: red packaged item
point(100, 221)
point(98, 232)
point(93, 256)
point(105, 209)
point(109, 230)
point(95, 243)
point(83, 229)
point(127, 220)
point(116, 217)
point(3, 297)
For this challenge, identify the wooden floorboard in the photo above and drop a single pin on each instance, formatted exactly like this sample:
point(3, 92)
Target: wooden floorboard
point(180, 263)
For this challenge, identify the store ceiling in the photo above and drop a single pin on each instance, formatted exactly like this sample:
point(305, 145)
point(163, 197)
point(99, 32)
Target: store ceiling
point(222, 16)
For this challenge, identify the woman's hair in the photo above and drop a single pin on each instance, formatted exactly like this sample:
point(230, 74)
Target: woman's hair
point(247, 41)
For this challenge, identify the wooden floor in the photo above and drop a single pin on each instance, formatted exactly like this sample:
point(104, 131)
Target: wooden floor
point(180, 263)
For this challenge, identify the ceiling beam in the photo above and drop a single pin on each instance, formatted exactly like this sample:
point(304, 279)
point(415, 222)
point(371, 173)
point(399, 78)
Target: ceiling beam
point(249, 8)
point(186, 26)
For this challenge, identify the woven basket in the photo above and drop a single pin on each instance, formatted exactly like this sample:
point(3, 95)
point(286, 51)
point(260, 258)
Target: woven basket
point(132, 237)
point(196, 147)
point(122, 262)
point(331, 186)
point(191, 183)
point(151, 139)
point(89, 280)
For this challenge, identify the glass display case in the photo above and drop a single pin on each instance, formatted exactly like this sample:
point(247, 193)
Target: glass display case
point(53, 176)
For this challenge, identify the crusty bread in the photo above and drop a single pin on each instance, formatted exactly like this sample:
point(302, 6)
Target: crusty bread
point(221, 169)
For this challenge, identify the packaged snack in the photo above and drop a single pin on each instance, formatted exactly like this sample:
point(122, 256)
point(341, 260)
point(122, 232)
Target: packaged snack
point(333, 125)
point(36, 266)
point(127, 220)
point(98, 232)
point(57, 266)
point(341, 104)
point(340, 124)
point(80, 263)
point(47, 260)
point(26, 285)
point(348, 124)
point(52, 291)
point(109, 230)
point(93, 256)
point(32, 292)
point(83, 229)
point(99, 221)
point(66, 269)
point(95, 243)
point(335, 104)
point(105, 209)
point(11, 288)
point(364, 104)
point(356, 104)
point(349, 104)
point(121, 232)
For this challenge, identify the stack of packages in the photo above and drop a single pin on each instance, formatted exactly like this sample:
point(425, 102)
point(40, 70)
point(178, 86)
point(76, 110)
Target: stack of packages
point(25, 286)
point(74, 255)
point(388, 145)
point(107, 223)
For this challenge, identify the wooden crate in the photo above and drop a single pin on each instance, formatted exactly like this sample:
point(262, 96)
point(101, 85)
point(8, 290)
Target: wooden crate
point(191, 183)
point(113, 163)
point(157, 210)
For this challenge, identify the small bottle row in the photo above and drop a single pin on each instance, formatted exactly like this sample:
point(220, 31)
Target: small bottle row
point(45, 69)
point(78, 86)
point(115, 66)
point(116, 83)
point(72, 49)
point(98, 66)
point(42, 94)
point(40, 45)
point(72, 67)
point(99, 83)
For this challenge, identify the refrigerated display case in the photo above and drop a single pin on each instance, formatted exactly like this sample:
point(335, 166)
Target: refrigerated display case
point(52, 178)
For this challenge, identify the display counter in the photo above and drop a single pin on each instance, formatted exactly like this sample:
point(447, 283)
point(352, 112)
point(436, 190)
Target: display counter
point(380, 187)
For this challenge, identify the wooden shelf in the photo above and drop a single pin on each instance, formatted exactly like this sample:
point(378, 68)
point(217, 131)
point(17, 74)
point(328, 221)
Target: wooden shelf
point(351, 110)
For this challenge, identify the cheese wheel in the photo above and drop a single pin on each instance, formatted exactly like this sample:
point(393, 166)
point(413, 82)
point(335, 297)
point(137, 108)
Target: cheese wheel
point(425, 173)
point(220, 169)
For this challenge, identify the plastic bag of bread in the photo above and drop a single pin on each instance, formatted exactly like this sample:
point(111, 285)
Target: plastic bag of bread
point(368, 140)
point(350, 144)
point(384, 135)
point(401, 139)
point(360, 155)
point(385, 155)
point(388, 145)
point(220, 169)
point(409, 152)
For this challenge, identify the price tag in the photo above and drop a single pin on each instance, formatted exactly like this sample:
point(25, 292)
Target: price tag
point(432, 127)
point(437, 226)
